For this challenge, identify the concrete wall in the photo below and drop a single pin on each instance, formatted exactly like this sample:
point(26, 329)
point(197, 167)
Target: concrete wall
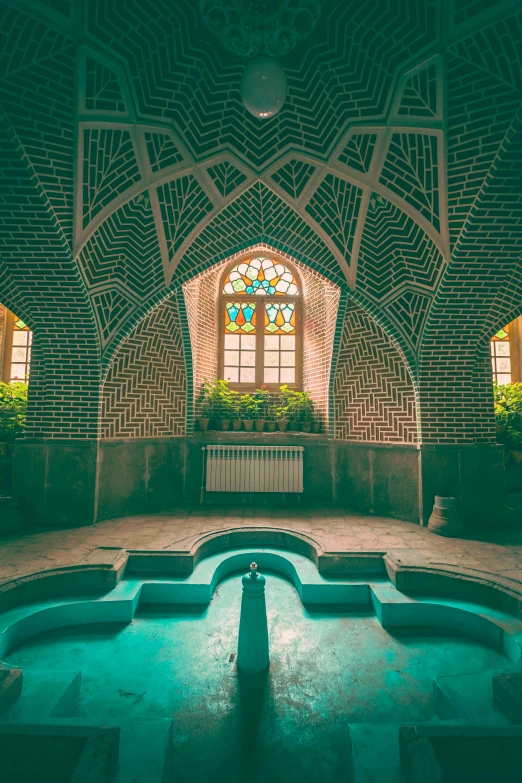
point(78, 482)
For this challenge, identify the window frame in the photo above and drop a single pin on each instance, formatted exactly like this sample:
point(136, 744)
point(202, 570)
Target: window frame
point(298, 301)
point(494, 341)
point(8, 345)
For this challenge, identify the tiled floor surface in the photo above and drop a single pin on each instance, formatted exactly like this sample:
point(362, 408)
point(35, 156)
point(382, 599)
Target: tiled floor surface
point(498, 552)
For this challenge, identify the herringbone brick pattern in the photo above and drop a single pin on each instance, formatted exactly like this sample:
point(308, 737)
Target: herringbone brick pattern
point(145, 392)
point(374, 394)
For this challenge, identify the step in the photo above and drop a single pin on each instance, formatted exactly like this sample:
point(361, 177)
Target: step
point(375, 752)
point(507, 695)
point(145, 752)
point(468, 698)
point(10, 687)
point(46, 694)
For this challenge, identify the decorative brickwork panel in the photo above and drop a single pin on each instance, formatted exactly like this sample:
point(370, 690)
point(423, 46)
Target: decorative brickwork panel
point(258, 216)
point(374, 396)
point(411, 170)
point(293, 177)
point(399, 268)
point(480, 109)
point(162, 151)
point(335, 207)
point(145, 392)
point(121, 264)
point(109, 168)
point(102, 88)
point(419, 96)
point(183, 204)
point(226, 177)
point(359, 151)
point(39, 98)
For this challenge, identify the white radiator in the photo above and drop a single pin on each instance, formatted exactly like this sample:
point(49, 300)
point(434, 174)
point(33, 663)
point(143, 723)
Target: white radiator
point(254, 469)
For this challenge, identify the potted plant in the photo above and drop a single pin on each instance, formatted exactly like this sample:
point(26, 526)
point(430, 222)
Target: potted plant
point(306, 409)
point(221, 402)
point(287, 409)
point(281, 417)
point(261, 398)
point(224, 404)
point(13, 407)
point(236, 417)
point(204, 406)
point(271, 418)
point(508, 418)
point(248, 408)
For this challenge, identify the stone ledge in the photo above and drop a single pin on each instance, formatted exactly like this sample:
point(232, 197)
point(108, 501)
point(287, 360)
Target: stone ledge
point(507, 695)
point(10, 687)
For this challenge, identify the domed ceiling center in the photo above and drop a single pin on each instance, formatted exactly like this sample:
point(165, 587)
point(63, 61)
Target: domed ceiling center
point(247, 27)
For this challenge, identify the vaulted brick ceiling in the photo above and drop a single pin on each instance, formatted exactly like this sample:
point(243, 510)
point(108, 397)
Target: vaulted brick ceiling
point(137, 165)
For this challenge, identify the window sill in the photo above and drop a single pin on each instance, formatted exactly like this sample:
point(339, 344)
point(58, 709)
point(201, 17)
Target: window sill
point(271, 437)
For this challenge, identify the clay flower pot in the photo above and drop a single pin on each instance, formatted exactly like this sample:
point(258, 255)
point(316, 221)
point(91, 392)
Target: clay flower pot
point(225, 424)
point(445, 519)
point(249, 423)
point(203, 424)
point(271, 426)
point(316, 427)
point(282, 424)
point(236, 424)
point(260, 425)
point(306, 426)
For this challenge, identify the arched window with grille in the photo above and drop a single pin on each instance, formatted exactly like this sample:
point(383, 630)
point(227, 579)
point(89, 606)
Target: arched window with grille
point(261, 324)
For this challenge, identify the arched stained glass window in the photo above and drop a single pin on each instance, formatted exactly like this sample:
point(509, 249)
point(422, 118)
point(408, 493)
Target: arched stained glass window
point(261, 276)
point(261, 341)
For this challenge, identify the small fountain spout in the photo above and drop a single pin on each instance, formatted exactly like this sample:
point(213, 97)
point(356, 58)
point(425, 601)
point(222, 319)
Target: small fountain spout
point(253, 651)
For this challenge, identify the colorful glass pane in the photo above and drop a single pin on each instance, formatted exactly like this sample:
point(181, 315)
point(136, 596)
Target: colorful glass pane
point(240, 317)
point(502, 334)
point(261, 277)
point(280, 318)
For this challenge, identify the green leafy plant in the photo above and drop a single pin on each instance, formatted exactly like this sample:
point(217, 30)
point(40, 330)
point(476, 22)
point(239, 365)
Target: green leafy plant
point(299, 405)
point(219, 399)
point(262, 398)
point(508, 414)
point(13, 408)
point(203, 402)
point(248, 406)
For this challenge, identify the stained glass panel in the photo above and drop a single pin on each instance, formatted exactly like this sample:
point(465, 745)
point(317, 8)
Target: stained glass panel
point(261, 277)
point(240, 346)
point(240, 317)
point(280, 318)
point(501, 356)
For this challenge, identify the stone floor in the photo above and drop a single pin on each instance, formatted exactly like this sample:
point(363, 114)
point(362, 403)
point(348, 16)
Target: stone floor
point(335, 530)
